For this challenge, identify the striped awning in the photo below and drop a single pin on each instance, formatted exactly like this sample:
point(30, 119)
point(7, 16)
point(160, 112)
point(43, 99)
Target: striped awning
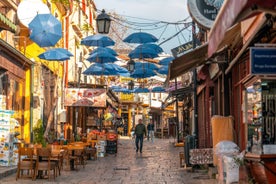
point(7, 24)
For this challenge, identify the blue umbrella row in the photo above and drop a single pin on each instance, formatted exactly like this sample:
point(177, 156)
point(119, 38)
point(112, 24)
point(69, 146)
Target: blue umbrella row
point(157, 89)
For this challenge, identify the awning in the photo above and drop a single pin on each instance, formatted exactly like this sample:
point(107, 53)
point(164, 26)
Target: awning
point(7, 24)
point(232, 12)
point(257, 25)
point(189, 60)
point(199, 56)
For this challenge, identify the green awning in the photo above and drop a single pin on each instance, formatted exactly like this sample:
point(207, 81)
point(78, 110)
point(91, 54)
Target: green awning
point(7, 24)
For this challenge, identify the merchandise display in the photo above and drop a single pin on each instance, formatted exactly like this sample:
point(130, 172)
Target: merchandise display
point(8, 150)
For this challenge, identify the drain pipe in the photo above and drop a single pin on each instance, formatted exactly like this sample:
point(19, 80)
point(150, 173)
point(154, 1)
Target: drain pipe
point(195, 133)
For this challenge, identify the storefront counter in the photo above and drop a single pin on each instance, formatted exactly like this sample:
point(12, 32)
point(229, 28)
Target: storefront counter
point(263, 167)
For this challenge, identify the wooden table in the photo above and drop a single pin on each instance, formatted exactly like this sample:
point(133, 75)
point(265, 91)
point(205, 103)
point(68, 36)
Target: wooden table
point(269, 163)
point(73, 149)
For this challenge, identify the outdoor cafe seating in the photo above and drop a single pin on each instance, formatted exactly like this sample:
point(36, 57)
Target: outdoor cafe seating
point(26, 167)
point(44, 162)
point(38, 162)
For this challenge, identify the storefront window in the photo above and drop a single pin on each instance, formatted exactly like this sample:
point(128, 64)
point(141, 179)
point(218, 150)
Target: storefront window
point(261, 115)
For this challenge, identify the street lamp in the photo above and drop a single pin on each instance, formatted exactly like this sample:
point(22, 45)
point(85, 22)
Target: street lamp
point(131, 65)
point(79, 65)
point(131, 85)
point(103, 23)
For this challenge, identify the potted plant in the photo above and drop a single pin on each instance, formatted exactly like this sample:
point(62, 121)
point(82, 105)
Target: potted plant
point(38, 133)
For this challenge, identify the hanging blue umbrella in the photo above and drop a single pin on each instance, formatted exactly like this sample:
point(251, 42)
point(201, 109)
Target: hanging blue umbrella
point(64, 51)
point(158, 89)
point(145, 65)
point(142, 73)
point(54, 55)
point(45, 30)
point(143, 53)
point(122, 90)
point(163, 70)
point(166, 61)
point(140, 37)
point(105, 69)
point(102, 57)
point(140, 90)
point(153, 46)
point(104, 49)
point(97, 40)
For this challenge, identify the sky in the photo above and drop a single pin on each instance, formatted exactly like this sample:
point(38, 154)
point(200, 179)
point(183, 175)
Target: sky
point(150, 11)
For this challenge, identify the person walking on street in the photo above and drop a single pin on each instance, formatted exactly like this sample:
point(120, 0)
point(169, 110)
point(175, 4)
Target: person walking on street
point(150, 128)
point(140, 131)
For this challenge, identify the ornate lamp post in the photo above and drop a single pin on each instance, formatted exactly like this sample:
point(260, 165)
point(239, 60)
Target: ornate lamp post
point(131, 65)
point(103, 23)
point(131, 85)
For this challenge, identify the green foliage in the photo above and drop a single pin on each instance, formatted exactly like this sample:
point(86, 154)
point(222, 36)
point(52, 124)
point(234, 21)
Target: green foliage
point(38, 132)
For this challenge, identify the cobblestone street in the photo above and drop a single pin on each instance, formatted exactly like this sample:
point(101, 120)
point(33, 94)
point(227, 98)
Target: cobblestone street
point(158, 164)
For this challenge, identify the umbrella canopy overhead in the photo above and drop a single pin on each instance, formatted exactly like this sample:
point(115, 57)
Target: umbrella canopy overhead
point(145, 65)
point(104, 49)
point(163, 70)
point(121, 90)
point(45, 30)
point(140, 37)
point(140, 90)
point(97, 40)
point(158, 89)
point(54, 55)
point(106, 69)
point(102, 57)
point(166, 61)
point(153, 46)
point(142, 73)
point(143, 53)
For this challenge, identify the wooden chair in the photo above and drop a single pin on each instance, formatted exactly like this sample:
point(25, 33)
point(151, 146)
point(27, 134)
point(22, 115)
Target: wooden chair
point(25, 163)
point(69, 159)
point(57, 157)
point(81, 157)
point(44, 162)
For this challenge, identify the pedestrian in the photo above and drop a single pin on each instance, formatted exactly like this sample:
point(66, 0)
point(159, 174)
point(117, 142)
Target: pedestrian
point(150, 129)
point(140, 131)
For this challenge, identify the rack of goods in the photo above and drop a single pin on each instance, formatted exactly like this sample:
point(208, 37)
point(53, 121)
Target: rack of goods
point(8, 150)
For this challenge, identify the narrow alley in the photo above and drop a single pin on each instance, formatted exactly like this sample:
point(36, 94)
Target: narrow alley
point(158, 164)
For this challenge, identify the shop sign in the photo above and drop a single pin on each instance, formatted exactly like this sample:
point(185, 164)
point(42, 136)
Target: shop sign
point(85, 97)
point(182, 49)
point(263, 60)
point(204, 12)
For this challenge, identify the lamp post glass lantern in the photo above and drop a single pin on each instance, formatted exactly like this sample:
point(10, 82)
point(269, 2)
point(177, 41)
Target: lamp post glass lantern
point(103, 23)
point(131, 65)
point(131, 85)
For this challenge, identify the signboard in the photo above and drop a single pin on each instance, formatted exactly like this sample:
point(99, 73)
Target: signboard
point(204, 12)
point(263, 60)
point(182, 49)
point(85, 97)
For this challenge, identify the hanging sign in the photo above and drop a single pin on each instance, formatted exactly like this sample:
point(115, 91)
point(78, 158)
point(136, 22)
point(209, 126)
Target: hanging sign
point(85, 97)
point(204, 12)
point(263, 60)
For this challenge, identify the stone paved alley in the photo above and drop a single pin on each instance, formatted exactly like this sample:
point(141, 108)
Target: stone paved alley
point(158, 164)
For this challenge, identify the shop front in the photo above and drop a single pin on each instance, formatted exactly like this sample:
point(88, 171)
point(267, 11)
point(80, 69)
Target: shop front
point(260, 110)
point(15, 74)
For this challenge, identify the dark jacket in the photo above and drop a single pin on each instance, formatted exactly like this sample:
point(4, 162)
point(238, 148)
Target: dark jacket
point(150, 127)
point(140, 129)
